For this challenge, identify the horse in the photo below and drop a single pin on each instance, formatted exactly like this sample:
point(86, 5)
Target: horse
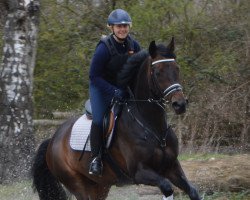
point(144, 149)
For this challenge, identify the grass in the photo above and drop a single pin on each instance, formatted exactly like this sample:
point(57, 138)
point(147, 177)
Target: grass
point(244, 195)
point(23, 191)
point(17, 191)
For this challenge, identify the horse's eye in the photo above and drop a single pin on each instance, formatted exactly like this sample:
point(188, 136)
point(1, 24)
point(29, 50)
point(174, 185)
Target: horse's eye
point(157, 72)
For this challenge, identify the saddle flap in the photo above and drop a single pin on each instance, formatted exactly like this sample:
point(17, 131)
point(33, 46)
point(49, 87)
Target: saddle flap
point(79, 134)
point(81, 129)
point(109, 126)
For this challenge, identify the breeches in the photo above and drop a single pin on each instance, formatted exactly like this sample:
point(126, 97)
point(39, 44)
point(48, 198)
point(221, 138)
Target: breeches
point(99, 104)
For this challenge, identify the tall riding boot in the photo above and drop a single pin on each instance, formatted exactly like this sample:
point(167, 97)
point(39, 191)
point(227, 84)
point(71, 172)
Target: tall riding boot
point(96, 165)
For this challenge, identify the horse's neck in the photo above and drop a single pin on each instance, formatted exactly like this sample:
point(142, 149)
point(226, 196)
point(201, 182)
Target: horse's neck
point(142, 89)
point(153, 114)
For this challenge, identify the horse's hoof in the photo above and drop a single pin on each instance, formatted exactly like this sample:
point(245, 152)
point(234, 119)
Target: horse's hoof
point(171, 197)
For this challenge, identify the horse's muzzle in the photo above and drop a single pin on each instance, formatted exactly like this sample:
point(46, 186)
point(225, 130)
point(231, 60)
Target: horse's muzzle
point(179, 106)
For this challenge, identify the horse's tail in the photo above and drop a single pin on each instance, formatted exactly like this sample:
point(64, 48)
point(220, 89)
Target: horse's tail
point(47, 186)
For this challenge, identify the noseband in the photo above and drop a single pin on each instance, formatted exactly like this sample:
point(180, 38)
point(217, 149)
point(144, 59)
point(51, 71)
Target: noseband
point(172, 88)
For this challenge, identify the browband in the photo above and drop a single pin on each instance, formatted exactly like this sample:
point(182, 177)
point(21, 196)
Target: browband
point(163, 60)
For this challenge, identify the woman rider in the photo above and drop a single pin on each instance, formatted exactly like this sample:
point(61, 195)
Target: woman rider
point(109, 56)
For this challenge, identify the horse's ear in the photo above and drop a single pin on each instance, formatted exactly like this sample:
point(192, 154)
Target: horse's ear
point(171, 45)
point(152, 49)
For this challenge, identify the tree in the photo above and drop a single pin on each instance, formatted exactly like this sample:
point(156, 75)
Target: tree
point(16, 83)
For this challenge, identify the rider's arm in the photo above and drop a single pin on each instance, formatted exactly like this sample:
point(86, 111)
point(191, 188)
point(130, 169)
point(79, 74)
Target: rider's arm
point(100, 59)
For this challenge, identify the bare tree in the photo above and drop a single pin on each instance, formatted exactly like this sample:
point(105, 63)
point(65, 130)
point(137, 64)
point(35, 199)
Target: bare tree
point(16, 75)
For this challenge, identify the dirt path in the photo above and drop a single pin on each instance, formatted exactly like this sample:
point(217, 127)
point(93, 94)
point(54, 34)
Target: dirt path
point(227, 174)
point(231, 173)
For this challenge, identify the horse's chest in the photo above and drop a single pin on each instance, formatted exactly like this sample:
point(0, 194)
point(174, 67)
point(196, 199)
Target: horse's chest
point(161, 158)
point(158, 156)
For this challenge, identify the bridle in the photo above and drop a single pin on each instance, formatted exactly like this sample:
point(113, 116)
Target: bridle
point(160, 102)
point(169, 90)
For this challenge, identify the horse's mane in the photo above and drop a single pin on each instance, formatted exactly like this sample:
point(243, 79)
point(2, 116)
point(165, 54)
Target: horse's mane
point(130, 69)
point(126, 76)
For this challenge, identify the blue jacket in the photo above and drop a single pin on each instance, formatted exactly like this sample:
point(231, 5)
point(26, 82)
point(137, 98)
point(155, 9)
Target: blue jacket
point(100, 65)
point(105, 65)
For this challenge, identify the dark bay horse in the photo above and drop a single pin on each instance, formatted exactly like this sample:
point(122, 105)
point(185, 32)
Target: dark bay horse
point(144, 149)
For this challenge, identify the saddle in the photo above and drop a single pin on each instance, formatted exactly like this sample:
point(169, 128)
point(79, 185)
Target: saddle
point(79, 139)
point(109, 120)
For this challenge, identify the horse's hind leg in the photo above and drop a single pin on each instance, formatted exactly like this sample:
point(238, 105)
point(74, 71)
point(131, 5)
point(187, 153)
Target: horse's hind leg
point(77, 188)
point(99, 192)
point(178, 178)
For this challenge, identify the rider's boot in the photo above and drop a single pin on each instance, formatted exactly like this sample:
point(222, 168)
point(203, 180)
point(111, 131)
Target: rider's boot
point(96, 165)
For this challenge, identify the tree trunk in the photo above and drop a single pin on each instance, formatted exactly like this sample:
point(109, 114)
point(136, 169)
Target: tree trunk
point(16, 75)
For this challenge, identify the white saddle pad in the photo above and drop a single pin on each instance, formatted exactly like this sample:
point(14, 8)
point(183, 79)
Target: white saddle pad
point(79, 134)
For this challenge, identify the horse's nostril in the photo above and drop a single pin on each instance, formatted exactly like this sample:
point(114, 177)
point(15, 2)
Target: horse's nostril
point(179, 106)
point(175, 104)
point(181, 103)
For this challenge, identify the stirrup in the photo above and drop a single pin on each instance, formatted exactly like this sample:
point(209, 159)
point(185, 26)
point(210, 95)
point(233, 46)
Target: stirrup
point(96, 167)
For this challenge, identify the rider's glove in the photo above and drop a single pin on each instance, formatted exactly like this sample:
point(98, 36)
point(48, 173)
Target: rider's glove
point(119, 94)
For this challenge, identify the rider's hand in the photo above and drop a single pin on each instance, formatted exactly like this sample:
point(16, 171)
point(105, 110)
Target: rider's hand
point(119, 94)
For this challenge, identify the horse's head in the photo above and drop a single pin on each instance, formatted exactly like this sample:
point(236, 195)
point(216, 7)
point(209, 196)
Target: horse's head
point(165, 77)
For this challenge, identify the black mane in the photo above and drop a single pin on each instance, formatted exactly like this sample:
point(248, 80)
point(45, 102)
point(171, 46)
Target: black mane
point(129, 71)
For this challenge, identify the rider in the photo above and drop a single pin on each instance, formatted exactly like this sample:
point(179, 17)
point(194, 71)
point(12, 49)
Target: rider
point(110, 55)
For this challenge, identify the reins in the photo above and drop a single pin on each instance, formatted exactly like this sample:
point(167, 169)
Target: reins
point(161, 102)
point(162, 140)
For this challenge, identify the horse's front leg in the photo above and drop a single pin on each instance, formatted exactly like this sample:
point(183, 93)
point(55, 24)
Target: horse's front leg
point(177, 176)
point(149, 177)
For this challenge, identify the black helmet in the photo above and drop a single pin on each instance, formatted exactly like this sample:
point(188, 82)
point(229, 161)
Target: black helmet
point(119, 16)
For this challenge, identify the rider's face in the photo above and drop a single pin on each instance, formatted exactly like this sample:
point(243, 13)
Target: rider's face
point(121, 30)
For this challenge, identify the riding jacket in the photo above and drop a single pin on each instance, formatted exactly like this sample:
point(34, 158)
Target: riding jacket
point(108, 59)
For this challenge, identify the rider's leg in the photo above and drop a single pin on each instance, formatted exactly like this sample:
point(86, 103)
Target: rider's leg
point(99, 105)
point(96, 145)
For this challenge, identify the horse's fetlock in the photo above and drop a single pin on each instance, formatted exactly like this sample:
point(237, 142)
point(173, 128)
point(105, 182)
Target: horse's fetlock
point(194, 194)
point(166, 188)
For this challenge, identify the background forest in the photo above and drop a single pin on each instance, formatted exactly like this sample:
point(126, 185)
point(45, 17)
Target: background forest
point(212, 47)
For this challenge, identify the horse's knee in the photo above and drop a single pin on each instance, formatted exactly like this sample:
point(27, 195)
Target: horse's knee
point(166, 188)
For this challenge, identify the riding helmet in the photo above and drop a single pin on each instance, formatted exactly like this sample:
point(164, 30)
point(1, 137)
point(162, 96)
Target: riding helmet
point(119, 16)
